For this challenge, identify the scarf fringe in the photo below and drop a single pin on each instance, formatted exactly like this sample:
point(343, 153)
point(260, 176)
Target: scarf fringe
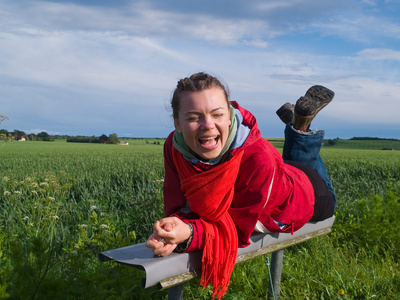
point(217, 272)
point(219, 276)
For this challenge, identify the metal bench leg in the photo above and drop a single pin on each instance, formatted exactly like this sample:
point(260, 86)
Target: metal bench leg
point(176, 292)
point(276, 272)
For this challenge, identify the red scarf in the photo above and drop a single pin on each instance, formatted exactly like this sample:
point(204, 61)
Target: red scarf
point(210, 194)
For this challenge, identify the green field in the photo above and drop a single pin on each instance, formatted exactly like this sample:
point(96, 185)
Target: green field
point(62, 203)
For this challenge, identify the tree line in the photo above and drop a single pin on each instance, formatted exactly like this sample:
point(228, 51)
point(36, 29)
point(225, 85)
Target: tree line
point(18, 135)
point(103, 139)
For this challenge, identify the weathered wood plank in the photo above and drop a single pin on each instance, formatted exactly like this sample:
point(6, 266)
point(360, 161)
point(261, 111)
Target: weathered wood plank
point(175, 280)
point(176, 268)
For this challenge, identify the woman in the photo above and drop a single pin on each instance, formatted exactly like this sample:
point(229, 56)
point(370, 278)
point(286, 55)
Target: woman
point(223, 181)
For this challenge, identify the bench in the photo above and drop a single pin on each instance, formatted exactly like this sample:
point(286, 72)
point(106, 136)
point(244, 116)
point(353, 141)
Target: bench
point(173, 270)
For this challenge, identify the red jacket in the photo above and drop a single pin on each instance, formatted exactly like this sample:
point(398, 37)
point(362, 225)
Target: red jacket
point(266, 189)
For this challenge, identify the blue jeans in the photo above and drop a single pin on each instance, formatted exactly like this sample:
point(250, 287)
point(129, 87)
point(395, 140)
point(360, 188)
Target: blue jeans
point(305, 147)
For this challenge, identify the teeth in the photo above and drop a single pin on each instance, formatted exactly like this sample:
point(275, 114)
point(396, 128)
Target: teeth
point(207, 139)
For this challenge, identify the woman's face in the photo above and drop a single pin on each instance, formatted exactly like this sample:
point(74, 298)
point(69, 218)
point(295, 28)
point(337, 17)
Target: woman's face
point(204, 119)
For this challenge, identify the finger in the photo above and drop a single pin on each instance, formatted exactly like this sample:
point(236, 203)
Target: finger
point(170, 222)
point(166, 250)
point(157, 229)
point(155, 242)
point(168, 227)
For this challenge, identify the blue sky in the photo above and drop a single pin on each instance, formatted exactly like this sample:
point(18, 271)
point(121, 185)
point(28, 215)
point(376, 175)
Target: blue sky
point(94, 67)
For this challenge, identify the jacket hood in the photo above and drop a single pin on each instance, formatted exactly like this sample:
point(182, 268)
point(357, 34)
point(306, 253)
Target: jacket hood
point(249, 121)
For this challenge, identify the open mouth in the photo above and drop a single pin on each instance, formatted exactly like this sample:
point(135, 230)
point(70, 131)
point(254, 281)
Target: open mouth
point(209, 142)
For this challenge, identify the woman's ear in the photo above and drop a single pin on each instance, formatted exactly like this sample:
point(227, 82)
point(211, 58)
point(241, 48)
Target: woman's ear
point(177, 126)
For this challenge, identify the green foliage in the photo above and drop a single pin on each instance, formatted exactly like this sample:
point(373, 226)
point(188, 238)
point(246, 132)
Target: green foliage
point(54, 223)
point(360, 256)
point(63, 203)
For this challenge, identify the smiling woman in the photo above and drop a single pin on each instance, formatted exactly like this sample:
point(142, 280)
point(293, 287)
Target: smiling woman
point(204, 122)
point(223, 181)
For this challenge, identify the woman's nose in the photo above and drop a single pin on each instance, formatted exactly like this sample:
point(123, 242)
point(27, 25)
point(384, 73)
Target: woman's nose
point(208, 122)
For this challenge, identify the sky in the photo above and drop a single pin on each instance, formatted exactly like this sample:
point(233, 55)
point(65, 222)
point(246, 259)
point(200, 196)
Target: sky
point(99, 67)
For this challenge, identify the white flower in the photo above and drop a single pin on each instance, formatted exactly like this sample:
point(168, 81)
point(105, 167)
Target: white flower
point(5, 178)
point(93, 207)
point(55, 217)
point(82, 226)
point(51, 198)
point(104, 226)
point(7, 193)
point(17, 192)
point(26, 218)
point(44, 184)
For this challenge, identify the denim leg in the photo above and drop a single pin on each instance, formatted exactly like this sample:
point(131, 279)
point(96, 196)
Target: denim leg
point(305, 148)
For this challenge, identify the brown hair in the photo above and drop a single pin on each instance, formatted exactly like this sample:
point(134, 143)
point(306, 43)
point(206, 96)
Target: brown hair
point(195, 83)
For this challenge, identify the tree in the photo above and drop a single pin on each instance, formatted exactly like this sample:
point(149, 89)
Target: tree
point(103, 139)
point(113, 138)
point(18, 134)
point(44, 136)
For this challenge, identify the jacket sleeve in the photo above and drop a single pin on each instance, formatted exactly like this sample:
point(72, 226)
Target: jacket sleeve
point(257, 177)
point(175, 201)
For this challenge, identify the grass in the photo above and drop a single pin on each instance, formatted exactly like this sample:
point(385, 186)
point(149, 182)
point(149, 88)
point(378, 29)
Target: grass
point(62, 203)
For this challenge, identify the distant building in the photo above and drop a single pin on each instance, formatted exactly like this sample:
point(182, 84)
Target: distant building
point(124, 143)
point(22, 139)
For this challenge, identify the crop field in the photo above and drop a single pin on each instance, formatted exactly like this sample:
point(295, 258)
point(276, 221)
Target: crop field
point(63, 203)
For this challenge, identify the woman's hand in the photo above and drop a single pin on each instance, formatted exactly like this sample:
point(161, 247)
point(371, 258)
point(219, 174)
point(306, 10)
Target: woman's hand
point(159, 246)
point(167, 234)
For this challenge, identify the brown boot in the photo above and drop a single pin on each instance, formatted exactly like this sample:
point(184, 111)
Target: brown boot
point(307, 107)
point(286, 112)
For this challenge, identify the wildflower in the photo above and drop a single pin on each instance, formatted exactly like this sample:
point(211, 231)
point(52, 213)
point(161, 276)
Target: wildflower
point(341, 292)
point(93, 207)
point(51, 198)
point(44, 184)
point(104, 226)
point(55, 217)
point(26, 218)
point(17, 192)
point(34, 192)
point(7, 193)
point(82, 226)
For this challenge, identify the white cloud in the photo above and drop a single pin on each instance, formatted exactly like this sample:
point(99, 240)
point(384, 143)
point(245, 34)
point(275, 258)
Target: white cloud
point(380, 54)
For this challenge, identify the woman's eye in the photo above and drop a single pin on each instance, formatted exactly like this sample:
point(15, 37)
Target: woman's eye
point(218, 115)
point(192, 119)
